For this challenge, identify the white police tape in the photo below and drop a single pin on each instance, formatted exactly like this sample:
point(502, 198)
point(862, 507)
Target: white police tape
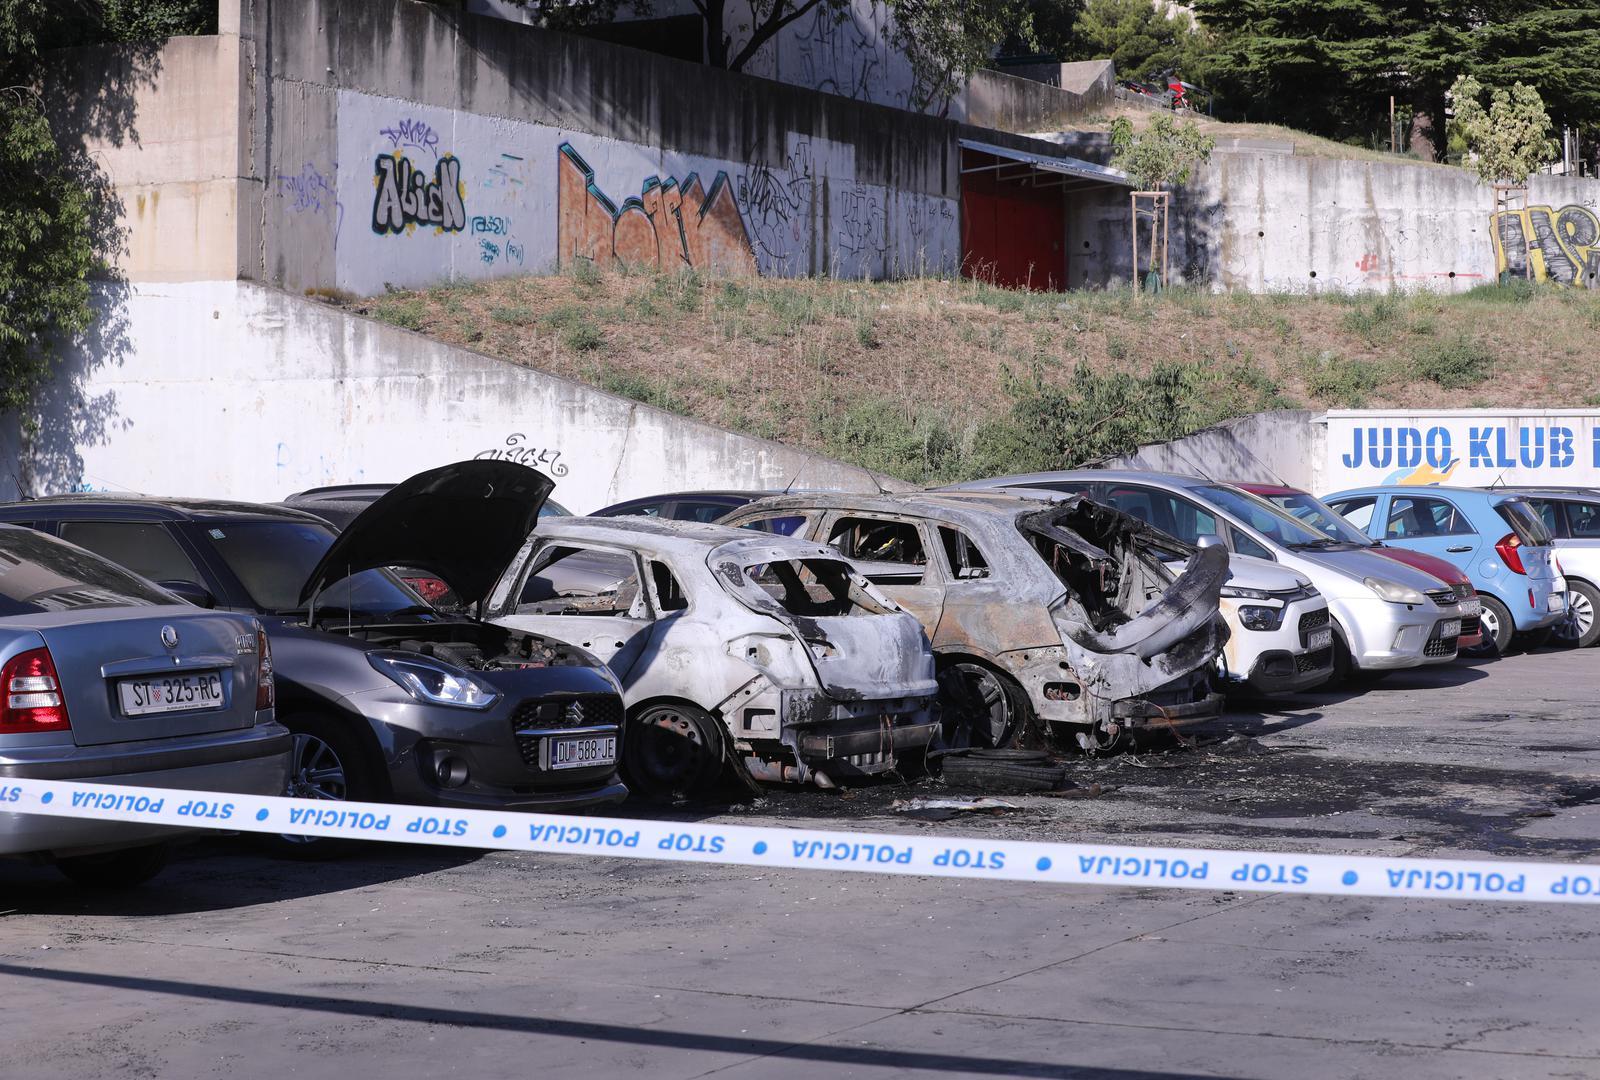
point(813, 849)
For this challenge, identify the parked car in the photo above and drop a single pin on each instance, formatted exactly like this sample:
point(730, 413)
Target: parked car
point(1497, 539)
point(766, 655)
point(1386, 615)
point(1281, 632)
point(388, 698)
point(1066, 613)
point(340, 504)
point(1573, 518)
point(684, 505)
point(107, 678)
point(1319, 515)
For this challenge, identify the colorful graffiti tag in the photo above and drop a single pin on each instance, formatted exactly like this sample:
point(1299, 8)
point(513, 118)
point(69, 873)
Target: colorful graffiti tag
point(1549, 245)
point(405, 196)
point(669, 223)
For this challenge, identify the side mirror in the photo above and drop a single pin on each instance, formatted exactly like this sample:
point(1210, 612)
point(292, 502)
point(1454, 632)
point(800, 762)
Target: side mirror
point(190, 592)
point(1206, 540)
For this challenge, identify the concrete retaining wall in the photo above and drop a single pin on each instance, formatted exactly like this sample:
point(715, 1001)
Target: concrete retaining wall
point(526, 148)
point(1283, 447)
point(233, 390)
point(1276, 222)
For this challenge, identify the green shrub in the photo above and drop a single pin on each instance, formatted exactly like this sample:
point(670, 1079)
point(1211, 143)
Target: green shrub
point(584, 272)
point(406, 313)
point(1374, 321)
point(1454, 363)
point(1343, 383)
point(515, 314)
point(659, 393)
point(582, 336)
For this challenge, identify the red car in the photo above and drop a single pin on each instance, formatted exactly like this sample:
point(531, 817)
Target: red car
point(1317, 514)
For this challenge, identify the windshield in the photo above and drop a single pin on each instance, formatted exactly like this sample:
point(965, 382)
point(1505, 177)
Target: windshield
point(39, 573)
point(1320, 516)
point(1262, 516)
point(273, 559)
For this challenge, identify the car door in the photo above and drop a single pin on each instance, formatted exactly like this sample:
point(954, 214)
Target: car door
point(1359, 510)
point(895, 554)
point(588, 594)
point(1433, 524)
point(1173, 514)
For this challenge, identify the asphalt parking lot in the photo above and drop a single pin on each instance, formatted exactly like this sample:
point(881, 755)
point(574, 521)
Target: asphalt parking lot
point(421, 961)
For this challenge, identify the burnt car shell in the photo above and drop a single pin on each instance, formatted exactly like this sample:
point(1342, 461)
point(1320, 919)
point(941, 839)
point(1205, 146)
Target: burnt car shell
point(1068, 603)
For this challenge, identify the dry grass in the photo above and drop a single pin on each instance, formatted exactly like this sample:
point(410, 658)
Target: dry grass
point(786, 359)
point(1305, 144)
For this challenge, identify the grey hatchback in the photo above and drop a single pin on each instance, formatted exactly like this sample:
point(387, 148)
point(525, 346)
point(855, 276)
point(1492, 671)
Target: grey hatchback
point(107, 678)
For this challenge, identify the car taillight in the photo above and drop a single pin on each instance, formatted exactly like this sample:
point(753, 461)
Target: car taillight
point(1507, 547)
point(266, 688)
point(430, 589)
point(30, 695)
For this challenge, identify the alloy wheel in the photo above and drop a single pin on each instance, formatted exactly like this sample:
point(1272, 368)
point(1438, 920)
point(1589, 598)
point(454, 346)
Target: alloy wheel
point(980, 705)
point(315, 772)
point(1579, 620)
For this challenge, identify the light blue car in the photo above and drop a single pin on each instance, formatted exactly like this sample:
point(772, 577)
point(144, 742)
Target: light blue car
point(1499, 540)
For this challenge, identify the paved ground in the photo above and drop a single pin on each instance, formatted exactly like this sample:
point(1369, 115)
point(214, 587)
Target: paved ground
point(424, 962)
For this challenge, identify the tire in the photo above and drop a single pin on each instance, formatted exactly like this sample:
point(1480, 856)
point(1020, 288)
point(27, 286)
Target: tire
point(1343, 664)
point(1497, 629)
point(982, 709)
point(673, 751)
point(116, 869)
point(1004, 777)
point(1582, 628)
point(327, 763)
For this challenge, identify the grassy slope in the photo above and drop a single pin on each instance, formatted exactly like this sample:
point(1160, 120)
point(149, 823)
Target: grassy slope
point(938, 380)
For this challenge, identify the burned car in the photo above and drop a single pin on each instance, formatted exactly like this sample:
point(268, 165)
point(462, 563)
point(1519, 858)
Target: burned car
point(764, 656)
point(386, 697)
point(1061, 613)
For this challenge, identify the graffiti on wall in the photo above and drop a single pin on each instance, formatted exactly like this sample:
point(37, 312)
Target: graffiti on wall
point(411, 132)
point(668, 224)
point(311, 191)
point(405, 196)
point(1549, 245)
point(518, 449)
point(774, 200)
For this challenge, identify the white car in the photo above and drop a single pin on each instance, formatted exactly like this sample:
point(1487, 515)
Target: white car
point(758, 653)
point(1573, 518)
point(1282, 637)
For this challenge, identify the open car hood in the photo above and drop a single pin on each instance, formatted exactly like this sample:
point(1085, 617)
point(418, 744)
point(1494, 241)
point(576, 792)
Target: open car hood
point(462, 523)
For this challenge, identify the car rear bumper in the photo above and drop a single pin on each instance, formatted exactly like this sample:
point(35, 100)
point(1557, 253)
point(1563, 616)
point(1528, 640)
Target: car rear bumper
point(1141, 714)
point(253, 762)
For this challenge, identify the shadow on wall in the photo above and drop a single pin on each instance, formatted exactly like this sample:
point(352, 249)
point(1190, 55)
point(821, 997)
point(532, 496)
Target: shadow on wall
point(90, 101)
point(1100, 239)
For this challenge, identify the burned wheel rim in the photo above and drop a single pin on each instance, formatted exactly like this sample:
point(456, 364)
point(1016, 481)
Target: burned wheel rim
point(315, 772)
point(672, 751)
point(978, 708)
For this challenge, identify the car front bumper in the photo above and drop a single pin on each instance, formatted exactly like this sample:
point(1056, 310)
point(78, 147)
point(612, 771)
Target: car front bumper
point(251, 762)
point(1384, 637)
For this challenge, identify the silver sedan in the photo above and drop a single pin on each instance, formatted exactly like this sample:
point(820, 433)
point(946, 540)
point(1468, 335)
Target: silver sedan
point(107, 678)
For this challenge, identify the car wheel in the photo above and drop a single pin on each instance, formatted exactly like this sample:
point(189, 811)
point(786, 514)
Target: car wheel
point(672, 752)
point(115, 869)
point(979, 707)
point(1497, 629)
point(325, 763)
point(1580, 628)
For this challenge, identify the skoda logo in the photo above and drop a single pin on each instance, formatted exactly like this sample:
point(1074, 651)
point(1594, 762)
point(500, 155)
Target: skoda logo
point(169, 637)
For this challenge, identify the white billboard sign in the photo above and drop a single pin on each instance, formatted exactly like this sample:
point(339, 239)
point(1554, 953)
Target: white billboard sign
point(1462, 447)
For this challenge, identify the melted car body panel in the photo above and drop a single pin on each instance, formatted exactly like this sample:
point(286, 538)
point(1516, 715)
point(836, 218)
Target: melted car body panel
point(810, 669)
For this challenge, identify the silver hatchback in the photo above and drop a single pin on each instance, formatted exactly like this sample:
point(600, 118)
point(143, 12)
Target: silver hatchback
point(107, 678)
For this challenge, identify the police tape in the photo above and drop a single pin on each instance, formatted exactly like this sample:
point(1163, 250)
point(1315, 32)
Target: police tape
point(813, 849)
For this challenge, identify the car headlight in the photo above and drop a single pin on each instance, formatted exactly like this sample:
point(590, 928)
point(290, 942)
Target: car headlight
point(1236, 592)
point(1394, 592)
point(1260, 618)
point(433, 681)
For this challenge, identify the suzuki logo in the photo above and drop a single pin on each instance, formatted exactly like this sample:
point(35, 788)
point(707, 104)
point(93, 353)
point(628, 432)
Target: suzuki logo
point(169, 637)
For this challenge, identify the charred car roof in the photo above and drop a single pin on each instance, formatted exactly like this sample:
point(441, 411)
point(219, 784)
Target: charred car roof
point(693, 539)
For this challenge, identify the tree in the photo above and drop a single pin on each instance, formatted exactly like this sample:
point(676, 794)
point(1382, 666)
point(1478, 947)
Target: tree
point(1164, 154)
point(57, 229)
point(1140, 37)
point(946, 40)
point(1509, 139)
point(1330, 66)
